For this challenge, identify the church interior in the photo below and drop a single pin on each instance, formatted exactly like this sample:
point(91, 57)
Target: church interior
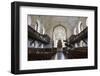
point(57, 37)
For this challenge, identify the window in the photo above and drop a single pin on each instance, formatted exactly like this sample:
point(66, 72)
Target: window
point(59, 33)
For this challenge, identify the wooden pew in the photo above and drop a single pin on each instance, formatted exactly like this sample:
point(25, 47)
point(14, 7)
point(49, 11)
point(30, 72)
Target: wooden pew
point(76, 53)
point(41, 53)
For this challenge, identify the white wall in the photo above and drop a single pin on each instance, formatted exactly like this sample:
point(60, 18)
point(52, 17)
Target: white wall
point(5, 50)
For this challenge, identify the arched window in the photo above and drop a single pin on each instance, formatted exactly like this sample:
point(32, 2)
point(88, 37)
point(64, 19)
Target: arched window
point(59, 33)
point(80, 27)
point(37, 26)
point(43, 30)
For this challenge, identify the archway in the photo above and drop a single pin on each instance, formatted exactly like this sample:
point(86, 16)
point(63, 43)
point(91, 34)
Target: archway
point(59, 33)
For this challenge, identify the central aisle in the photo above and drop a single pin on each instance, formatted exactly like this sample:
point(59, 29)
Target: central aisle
point(59, 56)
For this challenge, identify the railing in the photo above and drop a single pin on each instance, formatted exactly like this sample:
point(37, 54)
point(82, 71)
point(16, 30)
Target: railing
point(34, 35)
point(77, 38)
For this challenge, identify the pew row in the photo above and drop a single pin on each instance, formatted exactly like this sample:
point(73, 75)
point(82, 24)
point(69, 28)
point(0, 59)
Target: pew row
point(76, 53)
point(41, 53)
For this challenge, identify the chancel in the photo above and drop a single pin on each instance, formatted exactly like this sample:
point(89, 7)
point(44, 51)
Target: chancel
point(57, 37)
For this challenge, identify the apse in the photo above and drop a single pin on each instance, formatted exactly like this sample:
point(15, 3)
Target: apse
point(59, 33)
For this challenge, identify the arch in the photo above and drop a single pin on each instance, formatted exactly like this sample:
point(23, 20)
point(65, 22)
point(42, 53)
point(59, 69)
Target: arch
point(59, 33)
point(37, 26)
point(58, 26)
point(43, 30)
point(80, 27)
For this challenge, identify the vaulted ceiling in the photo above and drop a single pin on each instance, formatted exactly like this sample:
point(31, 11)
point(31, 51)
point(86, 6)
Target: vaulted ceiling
point(49, 22)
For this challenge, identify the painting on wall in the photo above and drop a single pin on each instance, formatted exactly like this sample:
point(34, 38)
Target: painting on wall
point(52, 37)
